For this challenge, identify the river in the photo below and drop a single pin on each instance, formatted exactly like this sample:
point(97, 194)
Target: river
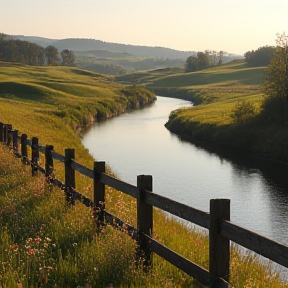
point(137, 143)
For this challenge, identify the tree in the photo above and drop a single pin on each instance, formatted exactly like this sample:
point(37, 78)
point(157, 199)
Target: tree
point(276, 75)
point(261, 57)
point(23, 52)
point(51, 54)
point(200, 62)
point(68, 58)
point(204, 60)
point(191, 64)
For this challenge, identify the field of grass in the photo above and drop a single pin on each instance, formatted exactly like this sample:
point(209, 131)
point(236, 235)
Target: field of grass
point(44, 242)
point(69, 93)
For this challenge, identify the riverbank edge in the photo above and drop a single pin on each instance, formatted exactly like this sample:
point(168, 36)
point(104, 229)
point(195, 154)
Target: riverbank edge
point(254, 138)
point(90, 119)
point(262, 140)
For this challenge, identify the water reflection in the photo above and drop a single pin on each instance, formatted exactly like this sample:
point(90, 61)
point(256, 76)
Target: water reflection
point(138, 143)
point(262, 186)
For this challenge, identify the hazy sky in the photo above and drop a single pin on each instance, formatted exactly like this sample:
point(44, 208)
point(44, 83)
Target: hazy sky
point(231, 25)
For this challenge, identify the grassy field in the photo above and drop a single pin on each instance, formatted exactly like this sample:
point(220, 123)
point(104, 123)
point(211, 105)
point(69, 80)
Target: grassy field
point(69, 93)
point(44, 242)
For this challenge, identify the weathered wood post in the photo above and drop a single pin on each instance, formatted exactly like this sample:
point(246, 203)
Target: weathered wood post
point(9, 135)
point(5, 133)
point(35, 156)
point(69, 175)
point(48, 161)
point(99, 192)
point(219, 246)
point(15, 141)
point(2, 132)
point(144, 218)
point(24, 152)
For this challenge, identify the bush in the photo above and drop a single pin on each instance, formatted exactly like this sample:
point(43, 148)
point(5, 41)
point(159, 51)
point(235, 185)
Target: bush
point(243, 111)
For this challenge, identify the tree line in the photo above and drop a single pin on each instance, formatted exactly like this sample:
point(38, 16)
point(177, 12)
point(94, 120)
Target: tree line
point(274, 108)
point(260, 57)
point(28, 53)
point(203, 60)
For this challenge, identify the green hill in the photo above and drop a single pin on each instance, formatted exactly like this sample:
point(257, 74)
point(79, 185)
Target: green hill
point(219, 93)
point(232, 73)
point(77, 95)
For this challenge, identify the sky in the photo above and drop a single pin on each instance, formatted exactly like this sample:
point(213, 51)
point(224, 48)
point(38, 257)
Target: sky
point(233, 26)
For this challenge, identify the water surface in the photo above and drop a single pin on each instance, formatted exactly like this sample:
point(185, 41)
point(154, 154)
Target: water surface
point(138, 143)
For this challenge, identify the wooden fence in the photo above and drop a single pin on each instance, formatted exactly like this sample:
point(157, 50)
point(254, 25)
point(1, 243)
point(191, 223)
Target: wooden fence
point(221, 230)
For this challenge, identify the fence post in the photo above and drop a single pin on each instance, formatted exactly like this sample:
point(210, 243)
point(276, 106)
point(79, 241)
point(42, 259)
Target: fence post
point(35, 156)
point(144, 218)
point(99, 191)
point(24, 152)
point(48, 160)
point(2, 131)
point(219, 246)
point(5, 133)
point(69, 174)
point(9, 134)
point(15, 141)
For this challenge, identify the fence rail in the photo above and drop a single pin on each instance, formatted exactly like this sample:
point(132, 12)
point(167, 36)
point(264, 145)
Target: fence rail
point(217, 221)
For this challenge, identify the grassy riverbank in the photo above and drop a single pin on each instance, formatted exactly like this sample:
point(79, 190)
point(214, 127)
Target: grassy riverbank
point(43, 242)
point(217, 92)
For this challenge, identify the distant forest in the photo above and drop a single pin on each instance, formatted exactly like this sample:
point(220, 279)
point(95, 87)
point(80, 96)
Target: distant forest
point(25, 52)
point(94, 55)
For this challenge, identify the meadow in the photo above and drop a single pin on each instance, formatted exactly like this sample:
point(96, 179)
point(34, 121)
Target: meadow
point(46, 243)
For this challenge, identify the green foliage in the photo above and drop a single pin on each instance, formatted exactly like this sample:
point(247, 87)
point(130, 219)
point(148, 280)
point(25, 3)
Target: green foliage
point(200, 62)
point(3, 36)
point(274, 110)
point(51, 55)
point(22, 52)
point(68, 58)
point(276, 75)
point(137, 95)
point(243, 112)
point(260, 57)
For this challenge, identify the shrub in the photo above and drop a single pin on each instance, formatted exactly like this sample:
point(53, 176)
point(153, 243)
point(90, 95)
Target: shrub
point(243, 111)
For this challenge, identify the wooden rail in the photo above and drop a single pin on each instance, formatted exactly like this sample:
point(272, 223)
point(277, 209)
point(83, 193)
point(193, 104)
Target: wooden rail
point(217, 221)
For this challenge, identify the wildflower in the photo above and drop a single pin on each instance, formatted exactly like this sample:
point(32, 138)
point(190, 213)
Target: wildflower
point(30, 252)
point(37, 240)
point(14, 247)
point(29, 240)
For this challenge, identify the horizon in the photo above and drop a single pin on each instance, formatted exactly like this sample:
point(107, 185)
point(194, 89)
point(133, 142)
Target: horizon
point(235, 27)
